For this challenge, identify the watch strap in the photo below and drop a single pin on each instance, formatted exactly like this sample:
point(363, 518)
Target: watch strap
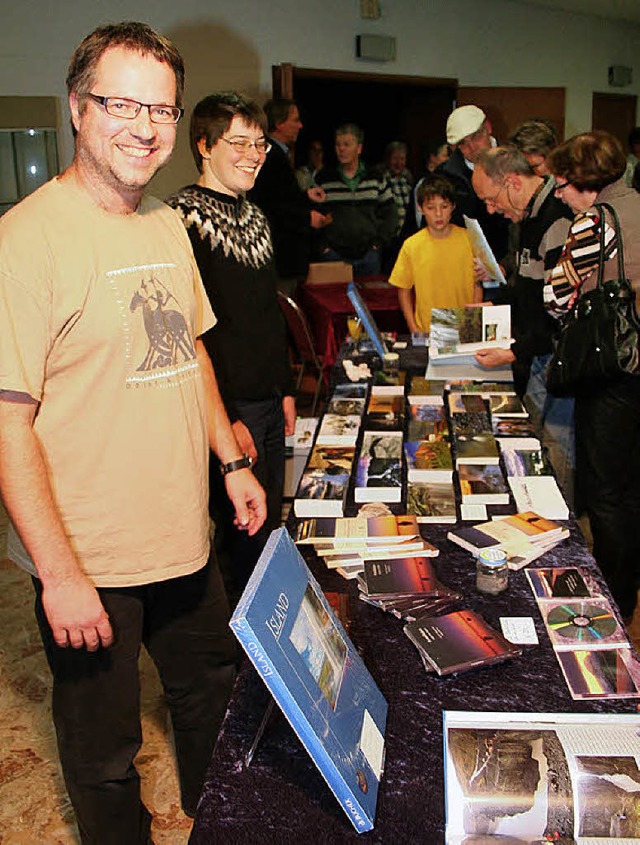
point(241, 463)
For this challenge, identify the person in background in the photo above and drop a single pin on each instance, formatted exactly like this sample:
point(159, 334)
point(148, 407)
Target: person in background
point(633, 159)
point(276, 191)
point(535, 139)
point(589, 168)
point(504, 179)
point(400, 181)
point(306, 175)
point(435, 267)
point(361, 205)
point(108, 407)
point(435, 154)
point(232, 246)
point(469, 133)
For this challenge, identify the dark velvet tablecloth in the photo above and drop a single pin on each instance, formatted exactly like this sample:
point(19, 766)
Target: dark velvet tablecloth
point(282, 798)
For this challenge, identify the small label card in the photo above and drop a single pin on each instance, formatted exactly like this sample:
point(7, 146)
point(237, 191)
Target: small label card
point(519, 630)
point(474, 512)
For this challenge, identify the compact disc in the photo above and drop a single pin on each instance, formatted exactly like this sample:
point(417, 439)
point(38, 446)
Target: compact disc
point(581, 621)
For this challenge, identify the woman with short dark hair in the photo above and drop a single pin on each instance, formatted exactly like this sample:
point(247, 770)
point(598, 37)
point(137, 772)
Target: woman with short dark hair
point(589, 170)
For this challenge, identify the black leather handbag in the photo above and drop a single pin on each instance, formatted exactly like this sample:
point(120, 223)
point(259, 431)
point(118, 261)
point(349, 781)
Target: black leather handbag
point(598, 339)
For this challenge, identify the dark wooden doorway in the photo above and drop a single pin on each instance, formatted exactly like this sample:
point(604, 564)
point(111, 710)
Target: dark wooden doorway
point(388, 108)
point(616, 113)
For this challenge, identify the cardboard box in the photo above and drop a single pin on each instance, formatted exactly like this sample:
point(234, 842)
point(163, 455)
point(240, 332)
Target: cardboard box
point(329, 273)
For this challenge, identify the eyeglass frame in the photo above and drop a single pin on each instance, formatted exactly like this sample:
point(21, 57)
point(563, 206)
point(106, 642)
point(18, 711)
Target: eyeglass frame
point(243, 145)
point(492, 200)
point(104, 102)
point(563, 186)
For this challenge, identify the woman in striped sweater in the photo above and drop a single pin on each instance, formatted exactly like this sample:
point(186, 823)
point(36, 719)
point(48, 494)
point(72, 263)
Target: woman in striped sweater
point(589, 169)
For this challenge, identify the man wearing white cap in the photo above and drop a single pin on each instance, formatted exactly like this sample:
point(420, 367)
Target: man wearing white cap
point(469, 133)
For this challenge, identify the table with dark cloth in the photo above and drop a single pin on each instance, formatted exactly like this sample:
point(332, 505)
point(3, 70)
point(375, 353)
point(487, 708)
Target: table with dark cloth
point(328, 308)
point(281, 796)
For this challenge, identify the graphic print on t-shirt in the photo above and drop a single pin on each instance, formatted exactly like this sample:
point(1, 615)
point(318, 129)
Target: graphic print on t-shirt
point(166, 328)
point(158, 341)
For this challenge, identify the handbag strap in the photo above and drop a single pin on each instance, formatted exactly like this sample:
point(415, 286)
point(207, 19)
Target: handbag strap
point(602, 206)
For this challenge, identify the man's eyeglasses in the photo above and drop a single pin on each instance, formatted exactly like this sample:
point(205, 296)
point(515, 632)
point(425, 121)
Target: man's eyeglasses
point(130, 109)
point(243, 145)
point(492, 200)
point(560, 186)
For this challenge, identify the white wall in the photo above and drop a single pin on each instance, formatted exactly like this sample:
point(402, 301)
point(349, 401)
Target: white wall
point(234, 43)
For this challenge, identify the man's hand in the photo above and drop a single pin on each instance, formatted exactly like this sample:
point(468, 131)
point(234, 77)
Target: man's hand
point(76, 615)
point(289, 411)
point(245, 440)
point(494, 357)
point(316, 193)
point(248, 499)
point(319, 221)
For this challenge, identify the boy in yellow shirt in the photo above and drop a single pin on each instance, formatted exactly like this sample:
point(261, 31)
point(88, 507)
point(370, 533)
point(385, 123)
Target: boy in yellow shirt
point(435, 267)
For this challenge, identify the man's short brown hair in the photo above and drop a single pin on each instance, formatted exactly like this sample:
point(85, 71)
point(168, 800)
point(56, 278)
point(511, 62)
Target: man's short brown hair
point(435, 185)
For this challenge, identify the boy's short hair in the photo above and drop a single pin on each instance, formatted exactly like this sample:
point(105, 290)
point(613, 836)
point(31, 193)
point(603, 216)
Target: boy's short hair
point(435, 185)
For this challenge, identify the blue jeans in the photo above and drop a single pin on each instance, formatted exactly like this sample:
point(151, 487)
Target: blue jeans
point(553, 417)
point(368, 265)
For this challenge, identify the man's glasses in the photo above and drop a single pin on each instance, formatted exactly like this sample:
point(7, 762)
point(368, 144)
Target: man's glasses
point(492, 200)
point(560, 186)
point(130, 109)
point(243, 145)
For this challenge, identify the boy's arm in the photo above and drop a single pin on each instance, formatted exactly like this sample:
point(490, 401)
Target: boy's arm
point(406, 300)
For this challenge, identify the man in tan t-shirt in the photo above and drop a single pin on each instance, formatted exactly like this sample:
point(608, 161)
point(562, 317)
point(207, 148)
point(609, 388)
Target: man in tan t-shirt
point(108, 407)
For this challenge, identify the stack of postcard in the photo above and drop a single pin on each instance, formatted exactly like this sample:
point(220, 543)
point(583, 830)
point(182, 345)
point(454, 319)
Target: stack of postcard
point(379, 471)
point(592, 647)
point(522, 536)
point(407, 587)
point(458, 641)
point(523, 456)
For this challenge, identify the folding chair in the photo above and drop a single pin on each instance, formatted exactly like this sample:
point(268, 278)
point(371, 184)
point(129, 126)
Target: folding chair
point(302, 344)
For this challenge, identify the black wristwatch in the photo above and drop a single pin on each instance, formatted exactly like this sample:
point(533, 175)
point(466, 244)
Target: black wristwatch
point(242, 463)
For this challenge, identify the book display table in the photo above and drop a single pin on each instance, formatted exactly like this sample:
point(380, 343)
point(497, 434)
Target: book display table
point(281, 796)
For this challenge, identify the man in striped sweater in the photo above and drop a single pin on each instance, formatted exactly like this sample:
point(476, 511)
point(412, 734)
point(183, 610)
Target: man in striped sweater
point(363, 210)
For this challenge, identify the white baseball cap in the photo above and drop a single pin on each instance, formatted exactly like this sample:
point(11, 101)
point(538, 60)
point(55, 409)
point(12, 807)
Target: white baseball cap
point(464, 121)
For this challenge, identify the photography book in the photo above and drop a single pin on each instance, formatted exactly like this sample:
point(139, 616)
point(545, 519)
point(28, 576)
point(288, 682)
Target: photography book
point(540, 494)
point(461, 331)
point(339, 430)
point(484, 388)
point(351, 554)
point(345, 406)
point(459, 641)
point(541, 777)
point(385, 413)
point(324, 482)
point(562, 582)
point(425, 392)
point(482, 483)
point(507, 405)
point(428, 460)
point(378, 480)
point(476, 448)
point(401, 578)
point(523, 456)
point(304, 656)
point(432, 501)
point(512, 427)
point(355, 529)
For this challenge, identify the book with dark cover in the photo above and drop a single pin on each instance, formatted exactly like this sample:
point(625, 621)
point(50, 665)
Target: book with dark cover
point(472, 539)
point(476, 448)
point(483, 483)
point(459, 641)
point(432, 501)
point(401, 578)
point(324, 483)
point(560, 582)
point(378, 480)
point(385, 413)
point(428, 459)
point(304, 656)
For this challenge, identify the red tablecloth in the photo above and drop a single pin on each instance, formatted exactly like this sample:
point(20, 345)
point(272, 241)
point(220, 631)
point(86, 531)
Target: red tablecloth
point(328, 308)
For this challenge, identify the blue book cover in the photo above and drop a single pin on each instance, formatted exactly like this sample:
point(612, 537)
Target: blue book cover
point(315, 674)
